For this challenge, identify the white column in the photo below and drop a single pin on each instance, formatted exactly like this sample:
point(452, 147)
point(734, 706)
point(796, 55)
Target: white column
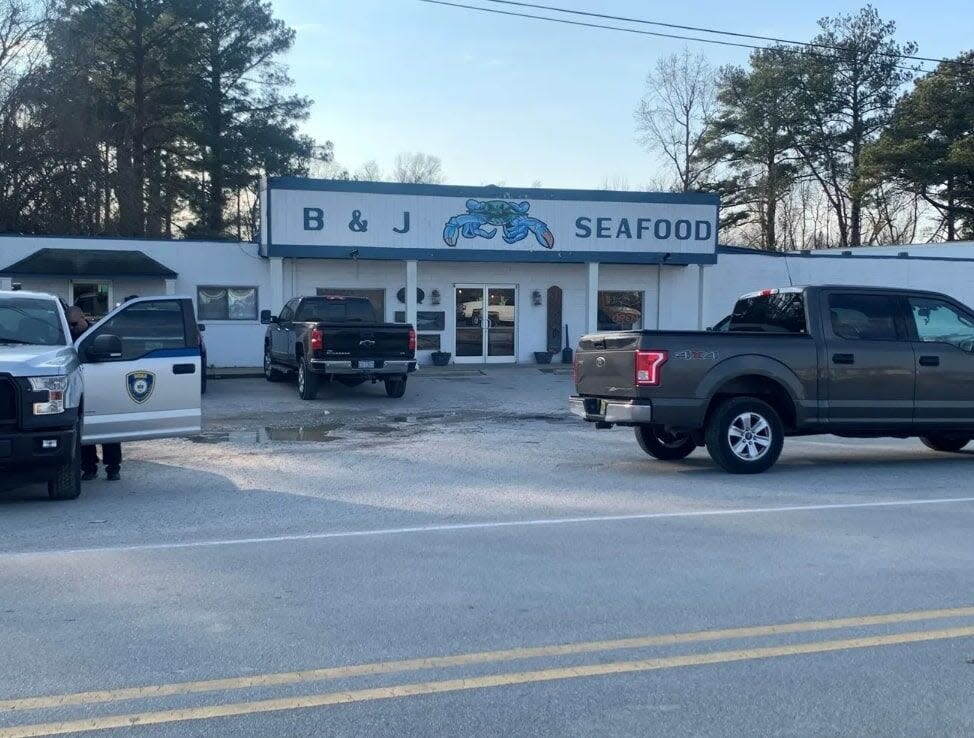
point(277, 284)
point(170, 286)
point(411, 272)
point(700, 293)
point(591, 298)
point(6, 283)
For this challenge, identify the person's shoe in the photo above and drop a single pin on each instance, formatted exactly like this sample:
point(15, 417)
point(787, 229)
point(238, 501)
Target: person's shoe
point(88, 476)
point(113, 475)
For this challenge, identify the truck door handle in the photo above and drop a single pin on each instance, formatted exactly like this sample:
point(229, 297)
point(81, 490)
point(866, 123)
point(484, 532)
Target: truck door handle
point(929, 361)
point(184, 368)
point(843, 358)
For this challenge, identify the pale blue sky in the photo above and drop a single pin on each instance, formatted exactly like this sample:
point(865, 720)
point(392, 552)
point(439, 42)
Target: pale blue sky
point(517, 101)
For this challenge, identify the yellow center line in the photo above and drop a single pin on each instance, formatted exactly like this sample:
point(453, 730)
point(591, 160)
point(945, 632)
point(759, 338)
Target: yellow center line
point(483, 657)
point(457, 685)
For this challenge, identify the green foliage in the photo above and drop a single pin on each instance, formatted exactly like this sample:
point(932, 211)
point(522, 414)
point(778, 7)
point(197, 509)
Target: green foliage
point(752, 135)
point(148, 116)
point(928, 147)
point(844, 92)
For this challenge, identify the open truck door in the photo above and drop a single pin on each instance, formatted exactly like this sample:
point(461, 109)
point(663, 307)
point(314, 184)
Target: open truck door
point(142, 366)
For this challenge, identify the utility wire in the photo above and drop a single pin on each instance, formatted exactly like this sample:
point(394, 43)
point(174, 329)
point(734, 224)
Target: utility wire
point(657, 34)
point(700, 29)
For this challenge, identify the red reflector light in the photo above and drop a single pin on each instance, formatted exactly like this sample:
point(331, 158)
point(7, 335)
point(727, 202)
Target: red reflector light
point(648, 364)
point(412, 339)
point(317, 339)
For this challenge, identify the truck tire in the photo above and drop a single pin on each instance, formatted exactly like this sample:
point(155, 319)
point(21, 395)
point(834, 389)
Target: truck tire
point(744, 436)
point(66, 484)
point(270, 373)
point(307, 381)
point(396, 387)
point(655, 441)
point(945, 442)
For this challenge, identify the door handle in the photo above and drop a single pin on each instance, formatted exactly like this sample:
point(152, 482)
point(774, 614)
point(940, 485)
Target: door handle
point(843, 358)
point(929, 361)
point(184, 368)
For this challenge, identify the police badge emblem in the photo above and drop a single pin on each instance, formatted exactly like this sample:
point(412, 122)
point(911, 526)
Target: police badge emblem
point(140, 385)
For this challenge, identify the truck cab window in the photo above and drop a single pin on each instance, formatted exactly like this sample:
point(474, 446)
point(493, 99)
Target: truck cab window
point(863, 317)
point(940, 322)
point(336, 310)
point(145, 327)
point(779, 312)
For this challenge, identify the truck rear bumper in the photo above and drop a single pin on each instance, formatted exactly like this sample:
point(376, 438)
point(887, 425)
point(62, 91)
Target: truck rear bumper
point(353, 368)
point(623, 412)
point(34, 454)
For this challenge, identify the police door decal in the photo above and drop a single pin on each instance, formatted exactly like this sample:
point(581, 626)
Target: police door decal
point(140, 385)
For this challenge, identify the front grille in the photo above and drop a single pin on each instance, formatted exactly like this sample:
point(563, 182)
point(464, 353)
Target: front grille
point(8, 401)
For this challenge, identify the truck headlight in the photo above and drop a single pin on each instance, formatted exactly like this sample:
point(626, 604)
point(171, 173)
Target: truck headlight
point(55, 388)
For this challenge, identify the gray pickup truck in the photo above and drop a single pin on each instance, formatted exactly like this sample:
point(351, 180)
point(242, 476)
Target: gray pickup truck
point(337, 337)
point(857, 362)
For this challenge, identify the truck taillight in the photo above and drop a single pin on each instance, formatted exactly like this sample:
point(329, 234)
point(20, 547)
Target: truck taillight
point(575, 369)
point(648, 365)
point(317, 339)
point(412, 339)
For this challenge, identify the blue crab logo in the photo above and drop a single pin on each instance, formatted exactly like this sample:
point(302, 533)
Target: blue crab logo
point(140, 385)
point(512, 216)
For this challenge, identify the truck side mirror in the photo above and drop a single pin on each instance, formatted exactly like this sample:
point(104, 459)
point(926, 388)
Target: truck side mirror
point(104, 348)
point(267, 318)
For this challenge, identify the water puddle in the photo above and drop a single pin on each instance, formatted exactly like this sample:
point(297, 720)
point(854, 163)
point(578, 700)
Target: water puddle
point(304, 433)
point(381, 426)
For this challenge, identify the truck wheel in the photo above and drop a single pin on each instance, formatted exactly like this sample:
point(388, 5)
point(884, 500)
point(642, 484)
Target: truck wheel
point(660, 444)
point(945, 442)
point(66, 484)
point(307, 381)
point(270, 373)
point(396, 387)
point(744, 436)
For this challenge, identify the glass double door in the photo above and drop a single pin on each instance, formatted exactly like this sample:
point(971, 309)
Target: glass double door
point(486, 323)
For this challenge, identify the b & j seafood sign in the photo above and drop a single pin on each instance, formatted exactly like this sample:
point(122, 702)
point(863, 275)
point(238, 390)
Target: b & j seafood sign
point(367, 220)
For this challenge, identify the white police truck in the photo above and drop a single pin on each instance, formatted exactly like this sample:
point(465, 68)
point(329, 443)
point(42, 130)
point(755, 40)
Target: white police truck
point(133, 375)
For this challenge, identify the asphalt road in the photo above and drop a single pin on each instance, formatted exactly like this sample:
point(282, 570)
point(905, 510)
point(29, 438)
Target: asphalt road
point(471, 561)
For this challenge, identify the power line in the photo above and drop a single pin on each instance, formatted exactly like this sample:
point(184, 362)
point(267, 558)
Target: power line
point(700, 29)
point(716, 42)
point(583, 24)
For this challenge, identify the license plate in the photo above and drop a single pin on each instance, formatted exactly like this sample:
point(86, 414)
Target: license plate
point(366, 365)
point(595, 407)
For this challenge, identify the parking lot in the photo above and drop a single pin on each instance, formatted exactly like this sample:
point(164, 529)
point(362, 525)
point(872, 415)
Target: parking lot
point(472, 560)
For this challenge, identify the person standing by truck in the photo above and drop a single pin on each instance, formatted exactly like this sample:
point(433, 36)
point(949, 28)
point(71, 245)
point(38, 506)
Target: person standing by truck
point(111, 452)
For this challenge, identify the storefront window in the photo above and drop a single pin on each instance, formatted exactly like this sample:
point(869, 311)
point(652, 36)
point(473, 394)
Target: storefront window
point(620, 311)
point(376, 297)
point(226, 303)
point(93, 298)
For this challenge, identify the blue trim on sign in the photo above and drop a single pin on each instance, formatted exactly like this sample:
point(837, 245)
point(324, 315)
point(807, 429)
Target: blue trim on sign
point(173, 353)
point(504, 193)
point(547, 257)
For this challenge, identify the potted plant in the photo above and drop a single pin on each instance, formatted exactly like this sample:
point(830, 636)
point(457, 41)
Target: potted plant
point(542, 357)
point(440, 358)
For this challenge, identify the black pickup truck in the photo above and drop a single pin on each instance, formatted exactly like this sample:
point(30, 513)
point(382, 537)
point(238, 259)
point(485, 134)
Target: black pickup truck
point(332, 337)
point(858, 362)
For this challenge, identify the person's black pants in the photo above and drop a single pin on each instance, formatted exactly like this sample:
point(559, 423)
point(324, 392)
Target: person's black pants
point(111, 456)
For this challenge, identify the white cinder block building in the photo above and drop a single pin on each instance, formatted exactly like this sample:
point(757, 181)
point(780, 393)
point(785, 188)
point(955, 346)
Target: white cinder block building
point(543, 261)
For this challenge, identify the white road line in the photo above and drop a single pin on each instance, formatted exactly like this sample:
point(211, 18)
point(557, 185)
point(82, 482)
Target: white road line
point(485, 526)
